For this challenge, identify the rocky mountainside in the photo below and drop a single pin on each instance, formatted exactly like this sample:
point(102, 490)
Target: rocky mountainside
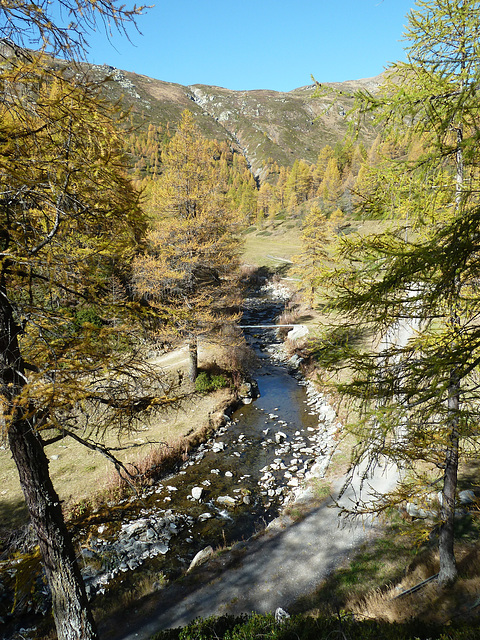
point(261, 124)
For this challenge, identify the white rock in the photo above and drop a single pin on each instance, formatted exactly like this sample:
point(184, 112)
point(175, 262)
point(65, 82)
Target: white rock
point(201, 557)
point(205, 516)
point(197, 493)
point(281, 615)
point(467, 496)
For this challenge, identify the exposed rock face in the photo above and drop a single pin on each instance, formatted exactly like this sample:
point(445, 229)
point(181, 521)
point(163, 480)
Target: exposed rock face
point(280, 125)
point(261, 124)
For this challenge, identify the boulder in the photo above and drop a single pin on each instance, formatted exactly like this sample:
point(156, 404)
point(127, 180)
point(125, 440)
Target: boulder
point(281, 615)
point(466, 497)
point(197, 493)
point(205, 516)
point(200, 558)
point(228, 501)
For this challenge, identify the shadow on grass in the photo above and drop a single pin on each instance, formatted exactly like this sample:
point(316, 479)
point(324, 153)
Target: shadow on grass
point(307, 317)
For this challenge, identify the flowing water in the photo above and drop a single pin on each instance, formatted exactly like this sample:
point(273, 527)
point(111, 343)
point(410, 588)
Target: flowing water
point(228, 489)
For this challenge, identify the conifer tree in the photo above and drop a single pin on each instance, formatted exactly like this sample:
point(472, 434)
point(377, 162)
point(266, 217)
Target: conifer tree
point(330, 188)
point(69, 223)
point(311, 261)
point(297, 186)
point(193, 244)
point(319, 168)
point(265, 202)
point(420, 393)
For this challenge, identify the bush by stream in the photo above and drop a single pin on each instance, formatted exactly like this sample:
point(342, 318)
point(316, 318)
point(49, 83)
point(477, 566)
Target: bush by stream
point(206, 382)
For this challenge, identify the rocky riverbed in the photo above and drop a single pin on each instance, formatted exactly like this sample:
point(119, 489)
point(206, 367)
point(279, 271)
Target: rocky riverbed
point(211, 491)
point(257, 463)
point(231, 486)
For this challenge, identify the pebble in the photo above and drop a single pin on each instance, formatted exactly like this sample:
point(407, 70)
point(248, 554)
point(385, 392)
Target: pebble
point(150, 535)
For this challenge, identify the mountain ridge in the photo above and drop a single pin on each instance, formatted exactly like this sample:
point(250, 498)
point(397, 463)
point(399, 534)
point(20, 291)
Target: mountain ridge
point(263, 124)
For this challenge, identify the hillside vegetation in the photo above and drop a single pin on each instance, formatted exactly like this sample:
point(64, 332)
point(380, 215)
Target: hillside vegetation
point(264, 126)
point(124, 229)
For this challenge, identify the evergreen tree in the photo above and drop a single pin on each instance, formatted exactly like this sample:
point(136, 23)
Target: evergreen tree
point(420, 393)
point(193, 244)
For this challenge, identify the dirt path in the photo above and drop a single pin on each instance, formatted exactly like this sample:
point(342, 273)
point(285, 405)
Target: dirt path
point(77, 472)
point(272, 571)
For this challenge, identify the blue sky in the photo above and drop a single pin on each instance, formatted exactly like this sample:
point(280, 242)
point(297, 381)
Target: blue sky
point(259, 44)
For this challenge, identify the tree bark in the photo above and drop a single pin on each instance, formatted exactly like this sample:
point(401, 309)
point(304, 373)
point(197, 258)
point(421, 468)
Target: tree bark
point(448, 567)
point(193, 361)
point(71, 610)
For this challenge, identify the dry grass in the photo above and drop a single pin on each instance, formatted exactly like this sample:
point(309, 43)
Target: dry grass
point(282, 242)
point(84, 477)
point(430, 603)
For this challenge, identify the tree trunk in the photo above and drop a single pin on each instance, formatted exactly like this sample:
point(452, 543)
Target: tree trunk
point(448, 567)
point(193, 363)
point(71, 610)
point(73, 617)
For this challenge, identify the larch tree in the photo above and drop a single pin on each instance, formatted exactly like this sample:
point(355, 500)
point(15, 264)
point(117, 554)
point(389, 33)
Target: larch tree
point(188, 270)
point(69, 365)
point(330, 188)
point(297, 186)
point(70, 223)
point(318, 171)
point(310, 263)
point(419, 392)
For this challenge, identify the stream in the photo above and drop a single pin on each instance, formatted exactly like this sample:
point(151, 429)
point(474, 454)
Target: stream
point(231, 486)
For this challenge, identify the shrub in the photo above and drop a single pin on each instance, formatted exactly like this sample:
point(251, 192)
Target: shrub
point(264, 627)
point(206, 382)
point(87, 314)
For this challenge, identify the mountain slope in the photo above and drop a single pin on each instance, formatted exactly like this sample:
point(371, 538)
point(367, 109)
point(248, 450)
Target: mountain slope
point(261, 124)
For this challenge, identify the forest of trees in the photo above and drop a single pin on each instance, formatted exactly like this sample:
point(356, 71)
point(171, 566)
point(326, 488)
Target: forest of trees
point(112, 238)
point(413, 285)
point(329, 183)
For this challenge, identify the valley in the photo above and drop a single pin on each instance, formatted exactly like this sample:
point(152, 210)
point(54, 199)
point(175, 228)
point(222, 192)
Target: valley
point(260, 309)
